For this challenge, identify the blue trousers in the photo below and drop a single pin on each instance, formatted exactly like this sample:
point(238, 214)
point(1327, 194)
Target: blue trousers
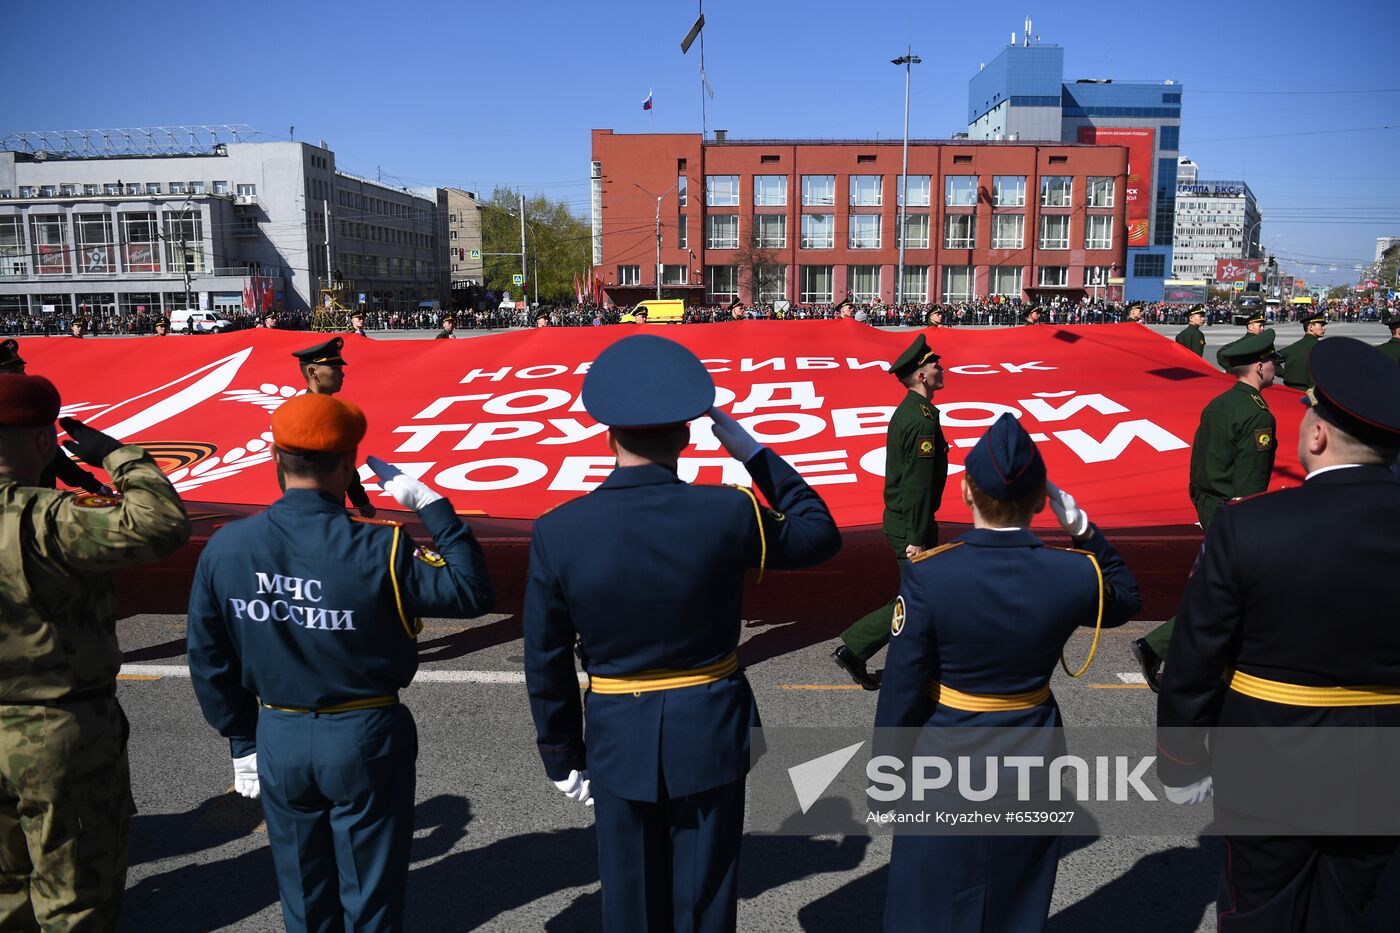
point(337, 793)
point(670, 865)
point(970, 884)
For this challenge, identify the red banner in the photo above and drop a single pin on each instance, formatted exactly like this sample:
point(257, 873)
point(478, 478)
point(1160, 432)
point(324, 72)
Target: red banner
point(496, 424)
point(1138, 141)
point(1239, 270)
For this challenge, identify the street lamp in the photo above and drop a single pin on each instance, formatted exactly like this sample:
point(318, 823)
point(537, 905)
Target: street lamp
point(656, 270)
point(908, 59)
point(1248, 239)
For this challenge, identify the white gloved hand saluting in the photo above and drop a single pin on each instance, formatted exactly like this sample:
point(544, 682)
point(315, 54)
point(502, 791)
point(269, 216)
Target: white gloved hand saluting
point(739, 442)
point(245, 776)
point(1072, 518)
point(1195, 792)
point(407, 491)
point(576, 787)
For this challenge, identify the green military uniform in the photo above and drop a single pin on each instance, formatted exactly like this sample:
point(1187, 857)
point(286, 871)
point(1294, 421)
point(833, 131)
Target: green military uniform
point(1191, 337)
point(446, 334)
point(916, 470)
point(65, 790)
point(1297, 373)
point(328, 354)
point(1391, 347)
point(1232, 454)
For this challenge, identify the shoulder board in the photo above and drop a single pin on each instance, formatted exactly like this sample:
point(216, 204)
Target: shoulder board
point(1071, 550)
point(1259, 400)
point(925, 555)
point(1255, 495)
point(557, 505)
point(376, 521)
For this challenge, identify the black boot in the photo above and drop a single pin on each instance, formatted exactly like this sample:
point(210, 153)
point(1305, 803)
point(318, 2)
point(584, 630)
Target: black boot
point(1151, 663)
point(847, 660)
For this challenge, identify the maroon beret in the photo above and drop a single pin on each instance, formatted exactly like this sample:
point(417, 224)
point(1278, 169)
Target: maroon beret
point(27, 401)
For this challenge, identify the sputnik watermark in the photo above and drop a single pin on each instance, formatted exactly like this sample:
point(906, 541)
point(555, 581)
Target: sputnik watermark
point(1116, 778)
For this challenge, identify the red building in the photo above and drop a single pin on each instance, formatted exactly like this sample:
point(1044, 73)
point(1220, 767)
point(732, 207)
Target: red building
point(812, 221)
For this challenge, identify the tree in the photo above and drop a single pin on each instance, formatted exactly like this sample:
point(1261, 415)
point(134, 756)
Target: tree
point(556, 242)
point(761, 272)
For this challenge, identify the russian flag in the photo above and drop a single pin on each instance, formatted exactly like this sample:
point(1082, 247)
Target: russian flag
point(646, 104)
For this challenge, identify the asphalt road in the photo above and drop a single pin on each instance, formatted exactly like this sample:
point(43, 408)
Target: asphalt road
point(497, 848)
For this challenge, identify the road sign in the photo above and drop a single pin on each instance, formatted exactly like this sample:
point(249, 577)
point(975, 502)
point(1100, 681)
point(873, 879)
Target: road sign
point(476, 254)
point(1239, 286)
point(517, 279)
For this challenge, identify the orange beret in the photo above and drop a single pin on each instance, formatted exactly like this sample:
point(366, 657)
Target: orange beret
point(27, 401)
point(309, 424)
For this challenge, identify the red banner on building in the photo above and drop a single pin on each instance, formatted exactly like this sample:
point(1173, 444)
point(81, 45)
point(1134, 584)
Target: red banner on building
point(496, 423)
point(1239, 270)
point(1138, 141)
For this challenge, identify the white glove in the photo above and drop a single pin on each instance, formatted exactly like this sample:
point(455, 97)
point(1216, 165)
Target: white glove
point(245, 776)
point(1191, 793)
point(576, 787)
point(407, 491)
point(1072, 518)
point(739, 442)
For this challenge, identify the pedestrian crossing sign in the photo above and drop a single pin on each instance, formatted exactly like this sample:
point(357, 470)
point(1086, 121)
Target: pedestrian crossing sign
point(517, 279)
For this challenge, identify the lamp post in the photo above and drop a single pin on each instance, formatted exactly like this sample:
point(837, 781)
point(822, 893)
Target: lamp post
point(908, 60)
point(656, 270)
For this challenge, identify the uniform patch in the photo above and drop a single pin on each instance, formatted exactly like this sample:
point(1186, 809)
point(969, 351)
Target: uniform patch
point(1263, 440)
point(774, 514)
point(430, 557)
point(93, 501)
point(926, 447)
point(897, 620)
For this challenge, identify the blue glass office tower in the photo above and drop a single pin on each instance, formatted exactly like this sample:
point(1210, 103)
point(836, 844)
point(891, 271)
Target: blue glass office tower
point(1021, 94)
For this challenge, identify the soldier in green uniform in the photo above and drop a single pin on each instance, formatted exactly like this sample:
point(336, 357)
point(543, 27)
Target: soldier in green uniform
point(1191, 337)
point(323, 367)
point(1134, 312)
point(1297, 374)
point(1255, 323)
point(916, 468)
point(1232, 455)
point(1031, 315)
point(449, 328)
point(1391, 347)
point(65, 788)
point(62, 469)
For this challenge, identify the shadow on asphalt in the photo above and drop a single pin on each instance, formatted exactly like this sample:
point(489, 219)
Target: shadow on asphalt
point(174, 648)
point(458, 644)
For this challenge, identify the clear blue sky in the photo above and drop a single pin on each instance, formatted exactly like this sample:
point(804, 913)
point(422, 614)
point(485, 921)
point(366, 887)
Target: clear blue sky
point(480, 92)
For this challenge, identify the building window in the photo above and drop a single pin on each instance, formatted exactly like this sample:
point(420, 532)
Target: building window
point(140, 242)
point(683, 232)
point(196, 187)
point(818, 190)
point(1149, 266)
point(959, 231)
point(248, 191)
point(1169, 137)
point(682, 191)
point(95, 252)
point(1054, 231)
point(68, 191)
point(866, 190)
point(721, 284)
point(722, 231)
point(1009, 190)
point(816, 285)
point(770, 191)
point(1008, 231)
point(221, 187)
point(1098, 231)
point(1054, 276)
point(722, 191)
point(770, 231)
point(1006, 281)
point(183, 230)
point(916, 283)
point(1096, 276)
point(1100, 193)
point(864, 283)
point(918, 191)
point(13, 261)
point(452, 235)
point(769, 283)
point(629, 275)
point(960, 191)
point(865, 231)
point(90, 190)
point(176, 187)
point(1055, 190)
point(27, 191)
point(957, 283)
point(48, 191)
point(675, 275)
point(915, 233)
point(818, 231)
point(49, 234)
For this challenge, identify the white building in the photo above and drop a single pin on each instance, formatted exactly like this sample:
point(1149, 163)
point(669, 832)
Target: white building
point(1384, 243)
point(1214, 220)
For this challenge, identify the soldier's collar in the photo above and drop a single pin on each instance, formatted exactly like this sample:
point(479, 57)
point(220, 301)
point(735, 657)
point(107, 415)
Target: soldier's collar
point(650, 474)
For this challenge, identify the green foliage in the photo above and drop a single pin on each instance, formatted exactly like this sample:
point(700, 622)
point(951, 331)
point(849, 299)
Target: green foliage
point(558, 241)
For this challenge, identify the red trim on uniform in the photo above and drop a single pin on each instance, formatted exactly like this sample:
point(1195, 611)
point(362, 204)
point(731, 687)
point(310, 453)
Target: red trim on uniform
point(1229, 880)
point(1173, 757)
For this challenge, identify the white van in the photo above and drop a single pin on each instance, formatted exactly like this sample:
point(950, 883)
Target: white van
point(194, 321)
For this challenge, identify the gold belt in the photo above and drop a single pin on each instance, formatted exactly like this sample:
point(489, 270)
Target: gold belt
point(349, 706)
point(986, 702)
point(647, 681)
point(1276, 691)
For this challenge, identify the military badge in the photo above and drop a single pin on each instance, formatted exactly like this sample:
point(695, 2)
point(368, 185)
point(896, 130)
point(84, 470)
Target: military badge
point(926, 447)
point(1263, 440)
point(897, 620)
point(92, 501)
point(430, 557)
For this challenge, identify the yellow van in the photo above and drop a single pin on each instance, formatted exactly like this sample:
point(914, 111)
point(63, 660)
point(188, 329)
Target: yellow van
point(662, 310)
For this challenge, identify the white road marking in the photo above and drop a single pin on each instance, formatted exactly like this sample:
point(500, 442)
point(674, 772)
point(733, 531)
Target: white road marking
point(1133, 679)
point(423, 676)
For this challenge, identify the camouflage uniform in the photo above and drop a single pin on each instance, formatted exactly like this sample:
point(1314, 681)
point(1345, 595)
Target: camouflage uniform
point(65, 790)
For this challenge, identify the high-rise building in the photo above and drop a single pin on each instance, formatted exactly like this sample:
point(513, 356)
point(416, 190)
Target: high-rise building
point(88, 226)
point(1021, 95)
point(1384, 243)
point(1214, 220)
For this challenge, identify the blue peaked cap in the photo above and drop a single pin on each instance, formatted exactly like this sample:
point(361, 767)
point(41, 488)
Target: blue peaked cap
point(1005, 463)
point(646, 381)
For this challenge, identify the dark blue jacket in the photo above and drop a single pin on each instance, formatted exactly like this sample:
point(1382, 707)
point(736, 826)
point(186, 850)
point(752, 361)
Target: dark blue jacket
point(647, 573)
point(989, 613)
point(303, 606)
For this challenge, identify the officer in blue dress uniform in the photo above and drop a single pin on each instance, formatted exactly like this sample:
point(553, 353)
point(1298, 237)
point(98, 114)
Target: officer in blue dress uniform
point(302, 630)
point(976, 632)
point(1260, 649)
point(646, 573)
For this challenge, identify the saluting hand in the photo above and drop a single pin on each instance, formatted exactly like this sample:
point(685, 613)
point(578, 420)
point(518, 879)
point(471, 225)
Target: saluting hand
point(407, 491)
point(740, 444)
point(88, 444)
point(1071, 517)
